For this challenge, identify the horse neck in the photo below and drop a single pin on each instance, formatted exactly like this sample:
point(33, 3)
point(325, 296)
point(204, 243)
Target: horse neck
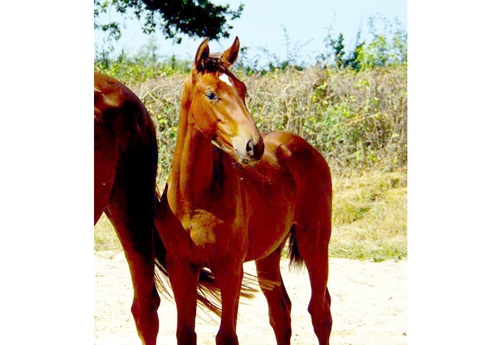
point(192, 173)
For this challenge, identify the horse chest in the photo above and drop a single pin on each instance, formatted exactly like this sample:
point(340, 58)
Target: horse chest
point(202, 227)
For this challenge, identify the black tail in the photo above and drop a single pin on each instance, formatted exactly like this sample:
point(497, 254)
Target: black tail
point(296, 261)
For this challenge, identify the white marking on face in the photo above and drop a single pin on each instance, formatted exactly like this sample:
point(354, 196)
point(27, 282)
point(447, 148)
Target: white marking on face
point(225, 79)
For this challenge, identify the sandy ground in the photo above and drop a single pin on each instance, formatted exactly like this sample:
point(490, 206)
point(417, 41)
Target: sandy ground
point(368, 306)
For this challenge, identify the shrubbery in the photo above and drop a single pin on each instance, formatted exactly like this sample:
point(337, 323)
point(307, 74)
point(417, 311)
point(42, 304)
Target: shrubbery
point(356, 119)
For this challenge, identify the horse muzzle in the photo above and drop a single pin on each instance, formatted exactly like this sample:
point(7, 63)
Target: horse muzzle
point(248, 150)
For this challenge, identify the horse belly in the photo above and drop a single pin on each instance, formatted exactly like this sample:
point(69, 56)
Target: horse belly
point(270, 221)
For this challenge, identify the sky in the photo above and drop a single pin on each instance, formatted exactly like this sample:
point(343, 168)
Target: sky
point(262, 24)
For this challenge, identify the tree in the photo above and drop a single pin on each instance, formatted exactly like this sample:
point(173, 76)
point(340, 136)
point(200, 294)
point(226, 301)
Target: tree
point(335, 50)
point(198, 18)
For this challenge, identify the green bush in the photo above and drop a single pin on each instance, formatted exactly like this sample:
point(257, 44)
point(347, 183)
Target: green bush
point(144, 65)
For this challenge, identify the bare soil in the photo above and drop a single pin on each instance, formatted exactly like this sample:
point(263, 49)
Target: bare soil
point(368, 306)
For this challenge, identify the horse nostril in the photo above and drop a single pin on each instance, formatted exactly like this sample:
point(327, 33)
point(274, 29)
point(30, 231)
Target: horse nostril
point(258, 150)
point(254, 149)
point(249, 148)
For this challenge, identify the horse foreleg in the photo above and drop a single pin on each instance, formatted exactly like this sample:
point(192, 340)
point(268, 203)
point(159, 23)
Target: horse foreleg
point(229, 275)
point(184, 278)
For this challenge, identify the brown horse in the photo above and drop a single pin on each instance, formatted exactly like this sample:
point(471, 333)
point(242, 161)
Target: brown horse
point(125, 166)
point(235, 196)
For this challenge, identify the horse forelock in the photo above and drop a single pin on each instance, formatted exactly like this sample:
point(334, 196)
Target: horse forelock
point(214, 63)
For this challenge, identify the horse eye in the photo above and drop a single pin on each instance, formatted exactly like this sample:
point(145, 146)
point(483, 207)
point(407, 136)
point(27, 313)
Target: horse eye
point(211, 96)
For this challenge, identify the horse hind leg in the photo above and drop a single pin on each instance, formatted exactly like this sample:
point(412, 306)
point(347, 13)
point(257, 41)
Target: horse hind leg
point(280, 306)
point(312, 247)
point(131, 211)
point(139, 255)
point(312, 226)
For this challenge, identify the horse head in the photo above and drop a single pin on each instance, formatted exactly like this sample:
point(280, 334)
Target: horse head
point(216, 104)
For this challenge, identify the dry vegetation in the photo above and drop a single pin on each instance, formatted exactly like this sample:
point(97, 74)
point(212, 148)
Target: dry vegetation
point(356, 119)
point(104, 235)
point(369, 216)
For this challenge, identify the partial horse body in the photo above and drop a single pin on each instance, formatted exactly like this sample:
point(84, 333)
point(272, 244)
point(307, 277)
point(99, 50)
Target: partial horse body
point(125, 166)
point(235, 195)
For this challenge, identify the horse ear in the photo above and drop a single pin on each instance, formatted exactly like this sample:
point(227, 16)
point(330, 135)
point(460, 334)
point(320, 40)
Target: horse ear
point(202, 54)
point(231, 54)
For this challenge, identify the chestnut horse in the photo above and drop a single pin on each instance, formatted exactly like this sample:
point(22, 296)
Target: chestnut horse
point(125, 166)
point(235, 196)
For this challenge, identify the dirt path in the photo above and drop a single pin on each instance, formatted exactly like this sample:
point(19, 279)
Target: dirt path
point(368, 306)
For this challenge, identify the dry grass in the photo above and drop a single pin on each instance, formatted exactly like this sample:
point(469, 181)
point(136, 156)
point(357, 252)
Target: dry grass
point(369, 216)
point(105, 236)
point(356, 120)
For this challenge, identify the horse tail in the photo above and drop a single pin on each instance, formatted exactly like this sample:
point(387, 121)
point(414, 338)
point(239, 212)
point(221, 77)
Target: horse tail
point(296, 260)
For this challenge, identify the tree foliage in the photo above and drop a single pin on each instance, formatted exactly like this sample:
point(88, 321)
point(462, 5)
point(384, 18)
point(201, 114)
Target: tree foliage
point(198, 18)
